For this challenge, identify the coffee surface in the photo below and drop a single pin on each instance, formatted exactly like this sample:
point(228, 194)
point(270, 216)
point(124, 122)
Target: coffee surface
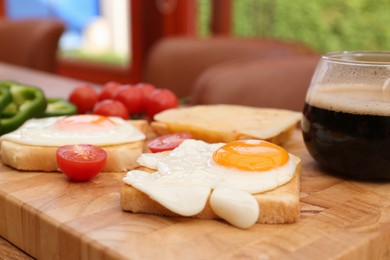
point(353, 99)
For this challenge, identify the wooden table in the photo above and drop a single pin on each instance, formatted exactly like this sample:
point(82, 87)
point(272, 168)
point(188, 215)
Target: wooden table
point(51, 218)
point(53, 85)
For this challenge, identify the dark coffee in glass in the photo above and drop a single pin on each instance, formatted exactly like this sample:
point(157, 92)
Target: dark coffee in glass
point(346, 117)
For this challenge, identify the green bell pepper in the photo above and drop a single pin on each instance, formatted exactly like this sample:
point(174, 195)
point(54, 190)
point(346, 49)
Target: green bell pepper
point(5, 98)
point(27, 102)
point(59, 107)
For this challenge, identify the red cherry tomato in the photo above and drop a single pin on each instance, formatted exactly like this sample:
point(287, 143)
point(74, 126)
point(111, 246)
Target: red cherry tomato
point(167, 142)
point(81, 162)
point(110, 107)
point(159, 100)
point(131, 97)
point(84, 97)
point(109, 89)
point(146, 89)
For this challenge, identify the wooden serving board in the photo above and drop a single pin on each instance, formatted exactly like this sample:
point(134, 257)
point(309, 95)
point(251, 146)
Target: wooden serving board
point(51, 218)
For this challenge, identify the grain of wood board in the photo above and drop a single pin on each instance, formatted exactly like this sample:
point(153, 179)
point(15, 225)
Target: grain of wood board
point(52, 218)
point(10, 252)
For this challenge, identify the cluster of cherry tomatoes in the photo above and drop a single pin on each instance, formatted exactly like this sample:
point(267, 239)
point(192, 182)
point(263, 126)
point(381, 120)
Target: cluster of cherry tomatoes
point(123, 100)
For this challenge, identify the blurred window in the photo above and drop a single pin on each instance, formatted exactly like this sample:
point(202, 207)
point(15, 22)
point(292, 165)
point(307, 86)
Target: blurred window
point(95, 31)
point(330, 25)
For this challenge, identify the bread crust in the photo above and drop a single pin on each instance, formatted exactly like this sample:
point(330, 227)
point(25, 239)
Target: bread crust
point(278, 206)
point(214, 136)
point(23, 157)
point(38, 158)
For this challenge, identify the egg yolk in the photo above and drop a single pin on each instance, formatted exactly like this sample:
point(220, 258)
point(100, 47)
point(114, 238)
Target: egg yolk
point(251, 155)
point(84, 122)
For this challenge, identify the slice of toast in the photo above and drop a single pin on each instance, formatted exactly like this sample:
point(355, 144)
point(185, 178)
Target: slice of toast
point(227, 123)
point(277, 206)
point(120, 158)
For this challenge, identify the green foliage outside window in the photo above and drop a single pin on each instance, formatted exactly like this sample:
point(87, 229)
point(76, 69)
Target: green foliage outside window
point(326, 25)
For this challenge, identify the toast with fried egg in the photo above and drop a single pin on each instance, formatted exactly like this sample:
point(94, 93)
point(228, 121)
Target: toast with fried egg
point(276, 205)
point(35, 157)
point(227, 123)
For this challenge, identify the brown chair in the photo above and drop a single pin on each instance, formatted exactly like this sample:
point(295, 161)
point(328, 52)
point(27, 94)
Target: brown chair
point(177, 62)
point(31, 43)
point(278, 82)
point(256, 72)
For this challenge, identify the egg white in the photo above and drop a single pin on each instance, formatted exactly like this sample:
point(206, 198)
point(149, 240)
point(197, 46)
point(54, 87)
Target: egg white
point(192, 162)
point(40, 132)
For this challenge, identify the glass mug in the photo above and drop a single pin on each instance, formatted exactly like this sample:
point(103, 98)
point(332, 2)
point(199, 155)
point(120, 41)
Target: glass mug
point(346, 117)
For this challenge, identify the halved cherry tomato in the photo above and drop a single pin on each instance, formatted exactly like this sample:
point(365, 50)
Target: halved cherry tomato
point(108, 90)
point(159, 100)
point(84, 97)
point(110, 107)
point(131, 97)
point(167, 142)
point(81, 162)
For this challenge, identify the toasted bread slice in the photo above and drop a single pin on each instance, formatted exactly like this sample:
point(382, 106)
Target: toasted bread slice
point(227, 123)
point(23, 157)
point(277, 206)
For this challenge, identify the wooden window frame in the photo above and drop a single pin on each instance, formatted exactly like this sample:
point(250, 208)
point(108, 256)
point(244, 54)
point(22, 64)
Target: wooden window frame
point(145, 15)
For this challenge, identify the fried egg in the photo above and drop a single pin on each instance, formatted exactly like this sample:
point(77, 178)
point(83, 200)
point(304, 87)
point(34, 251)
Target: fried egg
point(91, 129)
point(185, 177)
